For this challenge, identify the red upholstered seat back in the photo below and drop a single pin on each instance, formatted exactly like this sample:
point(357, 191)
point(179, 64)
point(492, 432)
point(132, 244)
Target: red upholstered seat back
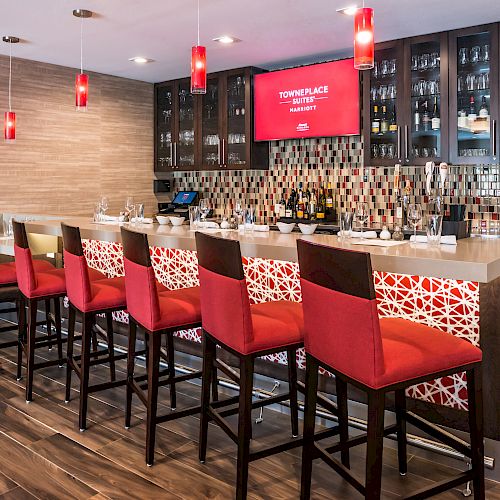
point(225, 305)
point(140, 281)
point(340, 311)
point(75, 268)
point(26, 277)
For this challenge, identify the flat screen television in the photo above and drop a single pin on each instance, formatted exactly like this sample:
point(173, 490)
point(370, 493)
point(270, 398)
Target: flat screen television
point(320, 100)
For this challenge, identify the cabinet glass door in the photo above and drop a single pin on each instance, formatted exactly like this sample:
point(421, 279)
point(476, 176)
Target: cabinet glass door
point(185, 147)
point(236, 153)
point(425, 138)
point(210, 126)
point(164, 127)
point(384, 88)
point(474, 96)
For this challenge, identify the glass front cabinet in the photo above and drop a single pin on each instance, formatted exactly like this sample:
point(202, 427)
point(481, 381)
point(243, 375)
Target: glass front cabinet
point(434, 98)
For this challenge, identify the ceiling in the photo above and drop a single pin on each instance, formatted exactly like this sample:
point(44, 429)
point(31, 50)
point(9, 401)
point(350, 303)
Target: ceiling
point(274, 33)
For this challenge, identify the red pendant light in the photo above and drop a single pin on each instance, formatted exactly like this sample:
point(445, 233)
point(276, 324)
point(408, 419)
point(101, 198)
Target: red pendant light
point(82, 80)
point(198, 64)
point(9, 123)
point(364, 44)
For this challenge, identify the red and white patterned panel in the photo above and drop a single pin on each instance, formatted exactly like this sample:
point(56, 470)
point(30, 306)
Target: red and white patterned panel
point(449, 305)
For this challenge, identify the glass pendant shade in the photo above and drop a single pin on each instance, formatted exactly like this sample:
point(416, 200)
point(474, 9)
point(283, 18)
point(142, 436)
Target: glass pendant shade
point(9, 126)
point(81, 91)
point(364, 44)
point(199, 70)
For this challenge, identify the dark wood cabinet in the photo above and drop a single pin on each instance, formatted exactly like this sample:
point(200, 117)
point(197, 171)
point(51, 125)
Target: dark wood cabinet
point(474, 83)
point(211, 131)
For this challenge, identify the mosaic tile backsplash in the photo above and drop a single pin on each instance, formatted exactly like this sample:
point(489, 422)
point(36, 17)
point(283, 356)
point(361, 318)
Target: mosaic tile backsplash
point(339, 160)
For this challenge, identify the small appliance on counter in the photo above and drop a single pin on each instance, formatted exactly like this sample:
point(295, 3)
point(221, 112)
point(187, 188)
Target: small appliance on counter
point(180, 204)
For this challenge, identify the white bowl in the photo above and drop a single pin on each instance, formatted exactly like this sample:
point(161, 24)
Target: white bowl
point(307, 228)
point(177, 221)
point(285, 227)
point(162, 219)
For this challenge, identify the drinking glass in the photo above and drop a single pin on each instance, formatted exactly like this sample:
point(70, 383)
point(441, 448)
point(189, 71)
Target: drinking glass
point(434, 227)
point(104, 205)
point(140, 212)
point(129, 204)
point(346, 219)
point(97, 212)
point(194, 217)
point(414, 63)
point(485, 53)
point(463, 56)
point(414, 217)
point(238, 211)
point(375, 151)
point(384, 67)
point(475, 54)
point(362, 214)
point(7, 227)
point(204, 208)
point(435, 60)
point(249, 216)
point(423, 62)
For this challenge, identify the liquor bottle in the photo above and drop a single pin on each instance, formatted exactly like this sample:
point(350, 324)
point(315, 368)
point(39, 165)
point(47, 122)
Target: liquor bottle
point(393, 125)
point(462, 117)
point(300, 205)
point(277, 209)
point(384, 123)
point(306, 209)
point(320, 210)
point(290, 205)
point(472, 110)
point(313, 204)
point(329, 202)
point(416, 116)
point(483, 110)
point(426, 117)
point(436, 120)
point(375, 121)
point(282, 212)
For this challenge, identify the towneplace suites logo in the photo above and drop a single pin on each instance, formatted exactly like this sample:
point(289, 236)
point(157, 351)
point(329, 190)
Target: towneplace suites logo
point(303, 100)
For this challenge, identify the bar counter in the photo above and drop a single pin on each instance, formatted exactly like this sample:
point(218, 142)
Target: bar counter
point(473, 259)
point(453, 288)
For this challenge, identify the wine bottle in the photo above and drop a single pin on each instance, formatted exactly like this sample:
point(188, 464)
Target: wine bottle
point(282, 211)
point(416, 116)
point(300, 204)
point(320, 210)
point(375, 121)
point(436, 119)
point(483, 110)
point(329, 202)
point(290, 205)
point(393, 126)
point(472, 110)
point(426, 117)
point(384, 123)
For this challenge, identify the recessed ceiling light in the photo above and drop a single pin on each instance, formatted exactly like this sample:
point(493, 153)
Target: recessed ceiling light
point(348, 11)
point(140, 60)
point(226, 39)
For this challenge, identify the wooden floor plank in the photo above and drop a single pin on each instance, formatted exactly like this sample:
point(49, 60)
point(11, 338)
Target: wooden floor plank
point(6, 484)
point(17, 493)
point(95, 470)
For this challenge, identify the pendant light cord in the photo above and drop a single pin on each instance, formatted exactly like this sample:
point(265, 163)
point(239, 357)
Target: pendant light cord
point(198, 22)
point(81, 44)
point(10, 73)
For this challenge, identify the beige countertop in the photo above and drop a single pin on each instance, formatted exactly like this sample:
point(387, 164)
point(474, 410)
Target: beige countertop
point(473, 259)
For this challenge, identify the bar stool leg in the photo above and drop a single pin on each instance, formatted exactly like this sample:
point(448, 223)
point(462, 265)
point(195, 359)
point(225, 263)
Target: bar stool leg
point(215, 382)
point(57, 317)
point(130, 369)
point(244, 425)
point(401, 431)
point(311, 383)
point(343, 414)
point(153, 375)
point(95, 343)
point(21, 335)
point(111, 346)
point(48, 321)
point(475, 401)
point(32, 313)
point(69, 351)
point(375, 445)
point(171, 370)
point(292, 388)
point(206, 379)
point(87, 321)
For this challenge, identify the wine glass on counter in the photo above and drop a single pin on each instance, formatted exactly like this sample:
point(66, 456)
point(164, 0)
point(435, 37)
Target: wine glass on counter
point(362, 214)
point(204, 206)
point(130, 207)
point(104, 206)
point(238, 211)
point(414, 217)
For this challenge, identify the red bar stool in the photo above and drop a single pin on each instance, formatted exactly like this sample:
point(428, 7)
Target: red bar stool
point(37, 282)
point(160, 312)
point(344, 335)
point(248, 332)
point(90, 293)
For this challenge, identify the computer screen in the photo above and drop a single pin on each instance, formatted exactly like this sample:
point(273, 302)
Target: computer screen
point(185, 197)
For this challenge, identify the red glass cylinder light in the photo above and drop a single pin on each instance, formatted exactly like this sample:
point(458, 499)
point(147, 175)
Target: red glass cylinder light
point(81, 91)
point(364, 44)
point(9, 126)
point(198, 70)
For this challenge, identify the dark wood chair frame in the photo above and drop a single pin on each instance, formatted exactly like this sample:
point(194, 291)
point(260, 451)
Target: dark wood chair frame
point(376, 431)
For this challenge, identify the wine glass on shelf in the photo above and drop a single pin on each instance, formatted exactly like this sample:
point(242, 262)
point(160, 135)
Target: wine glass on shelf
point(204, 206)
point(362, 214)
point(414, 217)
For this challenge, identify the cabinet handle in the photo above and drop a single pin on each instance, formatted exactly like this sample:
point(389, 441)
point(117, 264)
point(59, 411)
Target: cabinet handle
point(218, 151)
point(494, 136)
point(406, 143)
point(171, 155)
point(399, 143)
point(223, 162)
point(174, 158)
